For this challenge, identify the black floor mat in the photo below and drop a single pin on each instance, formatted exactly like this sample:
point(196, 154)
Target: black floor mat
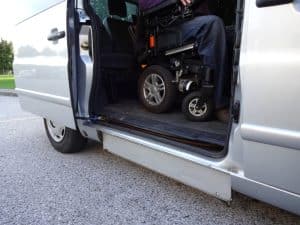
point(172, 123)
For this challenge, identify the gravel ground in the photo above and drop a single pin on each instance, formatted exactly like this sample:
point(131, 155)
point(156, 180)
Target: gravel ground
point(40, 186)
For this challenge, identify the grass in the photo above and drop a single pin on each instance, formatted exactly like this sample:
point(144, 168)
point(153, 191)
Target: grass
point(7, 82)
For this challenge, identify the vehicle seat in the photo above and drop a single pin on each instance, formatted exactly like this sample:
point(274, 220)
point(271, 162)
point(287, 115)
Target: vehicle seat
point(121, 54)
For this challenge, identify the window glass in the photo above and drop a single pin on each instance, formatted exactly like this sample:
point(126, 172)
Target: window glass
point(132, 9)
point(101, 8)
point(27, 8)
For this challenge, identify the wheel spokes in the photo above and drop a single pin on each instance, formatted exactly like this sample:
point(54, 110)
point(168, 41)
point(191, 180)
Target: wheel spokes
point(160, 87)
point(149, 96)
point(147, 85)
point(153, 79)
point(197, 111)
point(157, 98)
point(154, 89)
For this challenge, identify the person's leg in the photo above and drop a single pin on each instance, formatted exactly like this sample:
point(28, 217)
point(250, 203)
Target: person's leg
point(209, 32)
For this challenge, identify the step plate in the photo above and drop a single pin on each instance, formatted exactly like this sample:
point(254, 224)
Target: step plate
point(170, 162)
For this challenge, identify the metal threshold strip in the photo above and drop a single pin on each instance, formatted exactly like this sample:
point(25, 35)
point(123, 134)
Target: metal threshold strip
point(211, 147)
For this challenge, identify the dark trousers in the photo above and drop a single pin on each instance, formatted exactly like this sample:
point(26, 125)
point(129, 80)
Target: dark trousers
point(209, 32)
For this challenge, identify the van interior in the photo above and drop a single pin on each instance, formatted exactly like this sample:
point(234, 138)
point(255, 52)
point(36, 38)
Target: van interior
point(114, 95)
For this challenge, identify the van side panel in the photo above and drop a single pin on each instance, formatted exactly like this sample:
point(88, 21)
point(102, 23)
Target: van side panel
point(41, 66)
point(270, 109)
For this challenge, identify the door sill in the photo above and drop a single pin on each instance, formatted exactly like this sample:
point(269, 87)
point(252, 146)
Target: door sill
point(200, 148)
point(175, 163)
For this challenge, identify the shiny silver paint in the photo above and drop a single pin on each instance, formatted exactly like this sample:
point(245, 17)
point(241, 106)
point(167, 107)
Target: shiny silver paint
point(263, 156)
point(127, 146)
point(40, 66)
point(271, 136)
point(166, 161)
point(267, 193)
point(85, 73)
point(269, 83)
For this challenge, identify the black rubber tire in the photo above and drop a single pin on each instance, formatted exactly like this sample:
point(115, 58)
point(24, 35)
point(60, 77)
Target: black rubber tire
point(171, 90)
point(208, 100)
point(73, 141)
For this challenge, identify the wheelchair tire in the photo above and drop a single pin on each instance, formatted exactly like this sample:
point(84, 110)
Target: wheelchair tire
point(157, 92)
point(197, 107)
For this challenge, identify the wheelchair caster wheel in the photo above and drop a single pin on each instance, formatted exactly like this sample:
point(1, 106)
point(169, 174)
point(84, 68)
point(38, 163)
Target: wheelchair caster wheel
point(197, 107)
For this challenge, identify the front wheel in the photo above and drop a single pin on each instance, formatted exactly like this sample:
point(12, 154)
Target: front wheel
point(63, 139)
point(197, 107)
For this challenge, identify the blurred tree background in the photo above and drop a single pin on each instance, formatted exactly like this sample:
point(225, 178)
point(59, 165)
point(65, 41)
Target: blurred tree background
point(6, 57)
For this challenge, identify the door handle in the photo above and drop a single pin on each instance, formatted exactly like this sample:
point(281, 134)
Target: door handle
point(55, 35)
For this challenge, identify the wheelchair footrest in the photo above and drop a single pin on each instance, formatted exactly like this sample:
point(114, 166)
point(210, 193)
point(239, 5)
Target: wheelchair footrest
point(180, 49)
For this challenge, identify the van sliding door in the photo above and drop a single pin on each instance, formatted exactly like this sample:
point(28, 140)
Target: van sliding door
point(270, 105)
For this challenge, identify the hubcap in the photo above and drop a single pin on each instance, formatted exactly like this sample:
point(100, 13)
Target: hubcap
point(196, 110)
point(154, 89)
point(57, 132)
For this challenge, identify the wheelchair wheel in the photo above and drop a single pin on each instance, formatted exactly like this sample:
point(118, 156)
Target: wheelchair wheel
point(157, 92)
point(197, 107)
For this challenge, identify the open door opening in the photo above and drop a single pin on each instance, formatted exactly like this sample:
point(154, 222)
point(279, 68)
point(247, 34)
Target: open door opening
point(115, 100)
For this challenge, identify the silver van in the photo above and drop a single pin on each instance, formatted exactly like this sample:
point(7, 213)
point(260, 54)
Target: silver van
point(67, 73)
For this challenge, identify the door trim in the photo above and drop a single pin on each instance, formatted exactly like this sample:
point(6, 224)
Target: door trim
point(266, 3)
point(271, 136)
point(45, 97)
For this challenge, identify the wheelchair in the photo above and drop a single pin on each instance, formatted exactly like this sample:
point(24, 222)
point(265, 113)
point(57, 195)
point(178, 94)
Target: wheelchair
point(171, 65)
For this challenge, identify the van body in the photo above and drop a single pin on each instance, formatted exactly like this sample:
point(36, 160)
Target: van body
point(57, 68)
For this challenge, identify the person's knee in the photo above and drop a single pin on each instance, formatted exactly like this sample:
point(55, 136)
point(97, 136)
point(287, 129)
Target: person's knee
point(209, 20)
point(214, 20)
point(215, 24)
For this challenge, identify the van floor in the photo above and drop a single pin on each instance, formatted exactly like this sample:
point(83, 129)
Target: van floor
point(172, 124)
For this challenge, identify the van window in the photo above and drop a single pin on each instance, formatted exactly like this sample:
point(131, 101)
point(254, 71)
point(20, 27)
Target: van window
point(32, 7)
point(132, 9)
point(101, 8)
